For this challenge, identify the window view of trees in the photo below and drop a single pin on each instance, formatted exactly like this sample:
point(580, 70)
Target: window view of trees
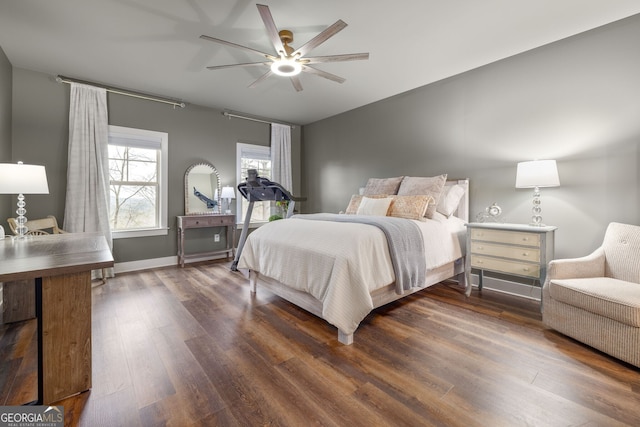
point(261, 162)
point(134, 187)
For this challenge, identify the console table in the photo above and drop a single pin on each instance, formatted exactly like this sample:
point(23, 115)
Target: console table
point(61, 265)
point(186, 222)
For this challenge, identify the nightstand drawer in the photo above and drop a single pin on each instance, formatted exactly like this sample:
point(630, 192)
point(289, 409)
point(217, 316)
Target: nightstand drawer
point(505, 266)
point(509, 237)
point(512, 252)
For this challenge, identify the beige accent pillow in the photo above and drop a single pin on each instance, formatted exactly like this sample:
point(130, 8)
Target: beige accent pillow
point(428, 186)
point(410, 207)
point(354, 203)
point(374, 206)
point(377, 186)
point(450, 199)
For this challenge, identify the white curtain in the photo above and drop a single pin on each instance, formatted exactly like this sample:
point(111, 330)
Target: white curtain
point(87, 201)
point(281, 155)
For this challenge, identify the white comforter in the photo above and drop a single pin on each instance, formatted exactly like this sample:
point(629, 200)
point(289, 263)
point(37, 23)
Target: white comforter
point(340, 263)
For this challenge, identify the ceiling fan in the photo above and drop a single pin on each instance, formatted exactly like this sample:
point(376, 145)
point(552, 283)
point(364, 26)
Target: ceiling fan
point(289, 62)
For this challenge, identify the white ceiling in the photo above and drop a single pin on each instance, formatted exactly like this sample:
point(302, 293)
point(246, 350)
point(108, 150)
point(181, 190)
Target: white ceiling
point(153, 46)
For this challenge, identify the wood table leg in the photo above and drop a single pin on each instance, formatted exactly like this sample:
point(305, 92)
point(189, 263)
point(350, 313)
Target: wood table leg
point(65, 332)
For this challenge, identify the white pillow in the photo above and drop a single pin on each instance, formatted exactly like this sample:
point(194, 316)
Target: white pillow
point(378, 207)
point(450, 199)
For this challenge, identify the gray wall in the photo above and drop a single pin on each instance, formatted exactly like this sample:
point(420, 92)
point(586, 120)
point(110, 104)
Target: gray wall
point(576, 101)
point(5, 142)
point(5, 126)
point(40, 136)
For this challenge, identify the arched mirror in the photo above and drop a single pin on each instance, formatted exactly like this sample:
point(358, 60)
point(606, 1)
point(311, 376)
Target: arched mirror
point(201, 189)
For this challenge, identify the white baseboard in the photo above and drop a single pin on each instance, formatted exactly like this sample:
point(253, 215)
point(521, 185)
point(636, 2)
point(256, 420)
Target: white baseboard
point(500, 285)
point(146, 264)
point(509, 287)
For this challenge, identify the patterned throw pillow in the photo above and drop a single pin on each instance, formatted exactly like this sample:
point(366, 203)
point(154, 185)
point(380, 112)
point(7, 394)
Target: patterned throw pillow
point(410, 207)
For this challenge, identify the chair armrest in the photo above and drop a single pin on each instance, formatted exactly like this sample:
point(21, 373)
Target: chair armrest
point(577, 268)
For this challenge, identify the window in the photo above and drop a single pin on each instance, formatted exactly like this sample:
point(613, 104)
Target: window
point(138, 182)
point(249, 156)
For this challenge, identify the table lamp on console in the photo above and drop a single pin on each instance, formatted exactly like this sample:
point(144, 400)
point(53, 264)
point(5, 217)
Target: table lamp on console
point(226, 195)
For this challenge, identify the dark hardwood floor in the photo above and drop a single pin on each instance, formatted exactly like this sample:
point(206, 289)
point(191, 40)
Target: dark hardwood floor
point(192, 346)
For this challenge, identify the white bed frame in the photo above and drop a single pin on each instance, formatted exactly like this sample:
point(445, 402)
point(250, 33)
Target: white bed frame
point(382, 295)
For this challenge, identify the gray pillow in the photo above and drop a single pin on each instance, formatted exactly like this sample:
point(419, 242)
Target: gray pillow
point(428, 186)
point(387, 186)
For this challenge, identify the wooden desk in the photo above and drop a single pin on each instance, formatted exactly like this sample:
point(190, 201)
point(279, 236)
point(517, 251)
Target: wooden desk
point(61, 265)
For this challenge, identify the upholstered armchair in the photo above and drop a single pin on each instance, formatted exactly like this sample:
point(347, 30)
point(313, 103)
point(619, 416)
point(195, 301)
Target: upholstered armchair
point(596, 299)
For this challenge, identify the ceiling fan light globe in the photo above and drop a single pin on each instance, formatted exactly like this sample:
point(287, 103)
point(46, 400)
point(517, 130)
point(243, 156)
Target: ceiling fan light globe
point(286, 67)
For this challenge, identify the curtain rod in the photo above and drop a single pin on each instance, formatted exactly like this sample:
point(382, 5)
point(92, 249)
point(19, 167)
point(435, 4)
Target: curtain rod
point(69, 80)
point(229, 115)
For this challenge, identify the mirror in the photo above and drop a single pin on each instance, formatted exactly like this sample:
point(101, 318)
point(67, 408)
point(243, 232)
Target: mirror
point(201, 189)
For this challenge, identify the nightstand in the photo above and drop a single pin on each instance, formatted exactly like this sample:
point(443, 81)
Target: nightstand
point(511, 249)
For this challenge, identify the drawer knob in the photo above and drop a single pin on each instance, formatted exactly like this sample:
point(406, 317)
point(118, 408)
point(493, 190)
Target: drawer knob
point(525, 269)
point(480, 261)
point(480, 247)
point(525, 253)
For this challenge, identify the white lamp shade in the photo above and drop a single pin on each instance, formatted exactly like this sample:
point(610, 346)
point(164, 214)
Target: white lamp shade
point(227, 193)
point(18, 178)
point(537, 173)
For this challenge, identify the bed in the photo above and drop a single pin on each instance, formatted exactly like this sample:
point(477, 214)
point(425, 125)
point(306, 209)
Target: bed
point(400, 236)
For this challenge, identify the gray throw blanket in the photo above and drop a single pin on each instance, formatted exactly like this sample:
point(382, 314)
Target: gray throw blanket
point(406, 245)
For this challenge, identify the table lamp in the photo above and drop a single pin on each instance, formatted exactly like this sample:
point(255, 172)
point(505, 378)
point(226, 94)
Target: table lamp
point(536, 174)
point(227, 194)
point(21, 179)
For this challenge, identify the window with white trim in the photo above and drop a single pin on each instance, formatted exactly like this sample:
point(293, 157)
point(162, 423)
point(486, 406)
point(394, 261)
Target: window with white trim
point(250, 156)
point(138, 173)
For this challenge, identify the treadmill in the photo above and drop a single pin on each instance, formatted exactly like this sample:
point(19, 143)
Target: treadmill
point(258, 189)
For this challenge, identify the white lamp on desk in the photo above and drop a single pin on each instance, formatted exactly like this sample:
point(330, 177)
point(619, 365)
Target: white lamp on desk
point(21, 179)
point(227, 194)
point(536, 174)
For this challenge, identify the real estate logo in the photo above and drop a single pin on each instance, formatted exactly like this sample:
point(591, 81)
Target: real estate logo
point(31, 416)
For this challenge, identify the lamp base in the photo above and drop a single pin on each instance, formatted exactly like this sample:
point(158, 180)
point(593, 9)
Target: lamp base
point(536, 218)
point(21, 229)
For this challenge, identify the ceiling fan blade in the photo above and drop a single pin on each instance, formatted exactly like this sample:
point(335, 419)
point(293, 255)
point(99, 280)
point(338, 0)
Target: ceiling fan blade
point(324, 74)
point(336, 58)
point(295, 81)
point(246, 64)
point(272, 31)
point(237, 46)
point(321, 38)
point(260, 79)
